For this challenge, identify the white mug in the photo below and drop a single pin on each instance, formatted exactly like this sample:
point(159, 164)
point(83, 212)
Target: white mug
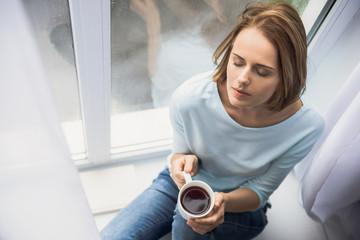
point(195, 189)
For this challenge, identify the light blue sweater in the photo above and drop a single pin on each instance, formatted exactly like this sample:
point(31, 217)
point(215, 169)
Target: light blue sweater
point(234, 156)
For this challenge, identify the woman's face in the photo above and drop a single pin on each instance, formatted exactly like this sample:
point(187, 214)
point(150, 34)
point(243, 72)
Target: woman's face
point(252, 70)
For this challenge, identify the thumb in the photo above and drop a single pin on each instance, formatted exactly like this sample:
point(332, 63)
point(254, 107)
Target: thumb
point(219, 199)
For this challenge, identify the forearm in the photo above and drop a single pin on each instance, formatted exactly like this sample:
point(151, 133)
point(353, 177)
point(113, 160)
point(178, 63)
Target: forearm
point(149, 12)
point(241, 200)
point(154, 42)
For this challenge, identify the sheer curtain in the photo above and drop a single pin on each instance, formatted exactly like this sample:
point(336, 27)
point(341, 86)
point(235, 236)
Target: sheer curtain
point(41, 196)
point(330, 175)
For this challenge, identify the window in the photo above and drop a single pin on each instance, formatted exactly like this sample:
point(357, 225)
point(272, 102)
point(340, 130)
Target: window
point(114, 66)
point(52, 30)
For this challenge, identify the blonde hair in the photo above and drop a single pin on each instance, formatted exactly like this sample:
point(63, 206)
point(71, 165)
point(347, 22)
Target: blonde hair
point(282, 26)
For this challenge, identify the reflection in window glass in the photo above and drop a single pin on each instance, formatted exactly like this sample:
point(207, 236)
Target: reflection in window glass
point(155, 46)
point(51, 24)
point(158, 44)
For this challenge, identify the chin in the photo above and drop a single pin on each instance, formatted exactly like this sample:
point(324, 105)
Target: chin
point(238, 104)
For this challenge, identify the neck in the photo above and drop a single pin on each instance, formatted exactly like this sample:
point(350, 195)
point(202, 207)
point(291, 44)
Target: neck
point(264, 118)
point(257, 116)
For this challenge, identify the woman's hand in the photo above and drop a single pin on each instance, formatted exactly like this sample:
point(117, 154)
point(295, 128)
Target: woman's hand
point(215, 5)
point(213, 219)
point(147, 9)
point(182, 162)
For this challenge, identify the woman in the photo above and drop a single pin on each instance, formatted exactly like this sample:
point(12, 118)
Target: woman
point(193, 51)
point(241, 130)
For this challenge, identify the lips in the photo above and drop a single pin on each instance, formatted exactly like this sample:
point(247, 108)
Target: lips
point(240, 93)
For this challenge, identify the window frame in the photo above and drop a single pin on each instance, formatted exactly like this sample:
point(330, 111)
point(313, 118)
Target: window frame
point(329, 31)
point(90, 23)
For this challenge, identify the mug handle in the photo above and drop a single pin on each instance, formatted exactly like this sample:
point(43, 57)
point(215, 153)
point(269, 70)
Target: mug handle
point(187, 176)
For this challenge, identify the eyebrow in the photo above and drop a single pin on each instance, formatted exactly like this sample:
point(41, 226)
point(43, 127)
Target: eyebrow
point(258, 64)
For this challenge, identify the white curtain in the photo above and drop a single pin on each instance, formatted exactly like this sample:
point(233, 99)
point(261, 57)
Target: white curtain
point(41, 196)
point(330, 175)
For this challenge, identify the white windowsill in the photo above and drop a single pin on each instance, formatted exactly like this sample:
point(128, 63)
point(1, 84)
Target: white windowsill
point(111, 188)
point(133, 134)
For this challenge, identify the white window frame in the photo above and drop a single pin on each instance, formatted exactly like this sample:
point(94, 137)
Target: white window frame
point(329, 32)
point(90, 22)
point(91, 31)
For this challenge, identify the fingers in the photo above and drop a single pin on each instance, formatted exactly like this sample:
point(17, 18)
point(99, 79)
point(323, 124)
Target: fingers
point(199, 228)
point(219, 201)
point(203, 226)
point(176, 172)
point(177, 167)
point(187, 163)
point(213, 219)
point(191, 164)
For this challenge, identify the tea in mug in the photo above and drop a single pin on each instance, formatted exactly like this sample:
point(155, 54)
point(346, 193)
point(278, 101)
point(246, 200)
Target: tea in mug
point(195, 200)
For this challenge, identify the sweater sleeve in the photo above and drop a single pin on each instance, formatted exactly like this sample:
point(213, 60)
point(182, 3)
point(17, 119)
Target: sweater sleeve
point(179, 139)
point(265, 184)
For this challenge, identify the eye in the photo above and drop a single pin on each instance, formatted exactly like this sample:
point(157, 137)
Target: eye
point(238, 63)
point(262, 72)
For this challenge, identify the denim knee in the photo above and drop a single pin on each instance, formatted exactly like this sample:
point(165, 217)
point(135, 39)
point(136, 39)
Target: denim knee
point(180, 229)
point(149, 216)
point(244, 226)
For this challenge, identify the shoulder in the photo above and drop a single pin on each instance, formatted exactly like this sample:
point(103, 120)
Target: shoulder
point(191, 95)
point(306, 124)
point(299, 133)
point(310, 117)
point(307, 127)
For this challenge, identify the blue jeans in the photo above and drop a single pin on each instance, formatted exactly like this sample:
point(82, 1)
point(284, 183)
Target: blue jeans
point(153, 214)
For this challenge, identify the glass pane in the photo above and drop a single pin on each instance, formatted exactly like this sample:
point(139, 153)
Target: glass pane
point(309, 10)
point(50, 21)
point(155, 46)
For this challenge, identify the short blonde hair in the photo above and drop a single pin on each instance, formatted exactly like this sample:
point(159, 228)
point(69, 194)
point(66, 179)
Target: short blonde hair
point(282, 26)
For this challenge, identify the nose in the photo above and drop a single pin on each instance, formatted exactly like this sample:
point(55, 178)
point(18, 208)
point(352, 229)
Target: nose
point(244, 76)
